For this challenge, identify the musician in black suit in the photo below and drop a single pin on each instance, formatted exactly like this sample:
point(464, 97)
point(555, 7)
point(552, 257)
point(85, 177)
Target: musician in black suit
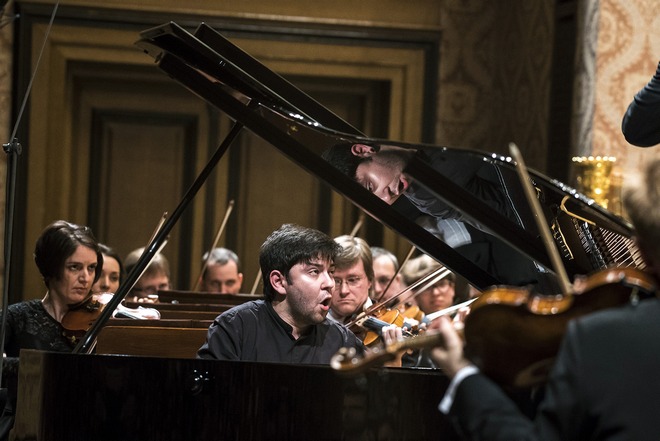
point(603, 384)
point(641, 122)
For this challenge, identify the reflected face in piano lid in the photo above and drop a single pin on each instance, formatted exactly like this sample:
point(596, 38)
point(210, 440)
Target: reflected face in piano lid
point(381, 171)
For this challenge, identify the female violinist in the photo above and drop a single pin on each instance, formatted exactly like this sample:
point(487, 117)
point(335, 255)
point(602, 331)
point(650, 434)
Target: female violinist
point(602, 385)
point(438, 295)
point(70, 262)
point(111, 274)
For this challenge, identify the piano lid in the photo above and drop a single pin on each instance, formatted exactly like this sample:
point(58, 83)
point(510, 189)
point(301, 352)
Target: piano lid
point(464, 207)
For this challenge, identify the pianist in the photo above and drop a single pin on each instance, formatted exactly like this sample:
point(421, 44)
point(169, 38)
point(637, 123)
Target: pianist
point(290, 325)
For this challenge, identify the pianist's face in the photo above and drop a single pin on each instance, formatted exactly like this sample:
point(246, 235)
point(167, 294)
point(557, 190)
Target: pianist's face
point(75, 282)
point(308, 292)
point(382, 172)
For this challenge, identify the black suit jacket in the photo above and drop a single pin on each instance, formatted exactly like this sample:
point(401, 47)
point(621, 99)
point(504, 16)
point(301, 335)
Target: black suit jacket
point(641, 122)
point(605, 385)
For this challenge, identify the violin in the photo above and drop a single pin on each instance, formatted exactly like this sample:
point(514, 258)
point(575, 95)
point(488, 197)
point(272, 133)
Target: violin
point(373, 324)
point(513, 334)
point(80, 317)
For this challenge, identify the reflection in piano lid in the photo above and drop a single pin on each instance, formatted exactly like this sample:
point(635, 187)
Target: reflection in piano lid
point(464, 207)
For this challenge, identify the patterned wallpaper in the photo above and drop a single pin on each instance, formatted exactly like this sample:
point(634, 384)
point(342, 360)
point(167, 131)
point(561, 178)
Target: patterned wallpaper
point(628, 51)
point(495, 76)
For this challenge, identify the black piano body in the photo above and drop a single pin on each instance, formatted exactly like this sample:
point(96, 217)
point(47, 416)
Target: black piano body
point(124, 398)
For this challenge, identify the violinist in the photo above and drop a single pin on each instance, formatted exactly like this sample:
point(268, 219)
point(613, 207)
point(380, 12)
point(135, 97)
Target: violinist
point(290, 324)
point(112, 272)
point(354, 278)
point(156, 277)
point(70, 262)
point(222, 272)
point(603, 385)
point(440, 294)
point(103, 291)
point(386, 267)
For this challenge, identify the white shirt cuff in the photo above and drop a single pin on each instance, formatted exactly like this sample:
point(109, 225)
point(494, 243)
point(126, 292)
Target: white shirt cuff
point(448, 399)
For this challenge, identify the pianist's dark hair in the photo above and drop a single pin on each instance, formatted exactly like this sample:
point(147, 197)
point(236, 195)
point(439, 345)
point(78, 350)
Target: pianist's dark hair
point(289, 245)
point(342, 158)
point(57, 242)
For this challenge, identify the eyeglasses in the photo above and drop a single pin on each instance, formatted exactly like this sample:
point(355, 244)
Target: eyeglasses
point(351, 281)
point(442, 284)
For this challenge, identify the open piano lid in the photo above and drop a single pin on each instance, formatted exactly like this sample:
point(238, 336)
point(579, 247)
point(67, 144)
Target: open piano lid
point(464, 207)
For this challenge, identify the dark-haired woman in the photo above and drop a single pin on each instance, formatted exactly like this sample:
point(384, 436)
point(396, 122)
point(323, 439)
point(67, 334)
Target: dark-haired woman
point(69, 261)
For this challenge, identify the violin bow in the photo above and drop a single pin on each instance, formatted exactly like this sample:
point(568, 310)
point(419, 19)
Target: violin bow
point(396, 273)
point(256, 282)
point(435, 275)
point(162, 220)
point(540, 218)
point(221, 229)
point(358, 225)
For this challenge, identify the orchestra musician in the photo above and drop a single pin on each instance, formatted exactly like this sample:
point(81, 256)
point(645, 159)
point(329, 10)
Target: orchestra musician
point(156, 277)
point(70, 261)
point(386, 268)
point(641, 122)
point(222, 272)
point(439, 295)
point(111, 274)
point(602, 386)
point(354, 279)
point(290, 325)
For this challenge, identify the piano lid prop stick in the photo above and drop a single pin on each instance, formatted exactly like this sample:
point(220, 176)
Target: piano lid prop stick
point(230, 208)
point(541, 221)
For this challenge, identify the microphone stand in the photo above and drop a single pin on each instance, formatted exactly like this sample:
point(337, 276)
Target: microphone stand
point(13, 149)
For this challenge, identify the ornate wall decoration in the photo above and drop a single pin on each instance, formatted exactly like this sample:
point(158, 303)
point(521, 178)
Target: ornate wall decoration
point(627, 56)
point(495, 76)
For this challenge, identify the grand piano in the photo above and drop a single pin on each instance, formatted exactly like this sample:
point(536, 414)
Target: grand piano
point(103, 397)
